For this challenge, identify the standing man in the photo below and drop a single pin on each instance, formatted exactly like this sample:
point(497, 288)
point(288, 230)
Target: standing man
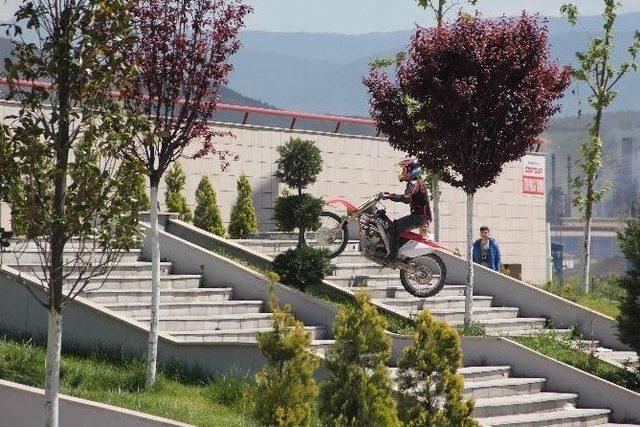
point(486, 251)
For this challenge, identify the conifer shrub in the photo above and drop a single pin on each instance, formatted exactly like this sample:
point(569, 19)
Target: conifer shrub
point(139, 184)
point(629, 318)
point(285, 389)
point(302, 267)
point(431, 388)
point(176, 179)
point(207, 214)
point(358, 391)
point(244, 220)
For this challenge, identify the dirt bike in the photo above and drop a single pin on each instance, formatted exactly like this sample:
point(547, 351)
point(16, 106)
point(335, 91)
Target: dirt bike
point(422, 271)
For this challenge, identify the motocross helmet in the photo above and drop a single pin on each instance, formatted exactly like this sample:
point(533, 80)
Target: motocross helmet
point(409, 169)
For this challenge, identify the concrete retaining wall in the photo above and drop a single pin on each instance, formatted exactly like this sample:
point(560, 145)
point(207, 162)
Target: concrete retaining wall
point(21, 406)
point(593, 392)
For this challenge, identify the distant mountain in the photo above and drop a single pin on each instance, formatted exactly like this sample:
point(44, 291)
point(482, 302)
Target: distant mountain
point(227, 95)
point(323, 72)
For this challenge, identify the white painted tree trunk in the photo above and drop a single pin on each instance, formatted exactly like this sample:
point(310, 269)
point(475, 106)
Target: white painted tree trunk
point(152, 349)
point(52, 367)
point(586, 255)
point(468, 301)
point(436, 210)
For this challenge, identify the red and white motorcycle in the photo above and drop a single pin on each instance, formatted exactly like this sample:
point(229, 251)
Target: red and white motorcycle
point(422, 271)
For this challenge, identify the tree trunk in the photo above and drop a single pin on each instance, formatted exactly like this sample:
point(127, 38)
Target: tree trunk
point(52, 367)
point(152, 349)
point(301, 239)
point(436, 209)
point(586, 244)
point(468, 301)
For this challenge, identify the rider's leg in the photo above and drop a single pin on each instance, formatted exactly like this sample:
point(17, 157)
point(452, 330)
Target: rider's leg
point(405, 223)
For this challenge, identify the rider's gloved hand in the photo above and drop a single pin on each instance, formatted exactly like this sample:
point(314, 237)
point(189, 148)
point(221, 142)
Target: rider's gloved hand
point(382, 196)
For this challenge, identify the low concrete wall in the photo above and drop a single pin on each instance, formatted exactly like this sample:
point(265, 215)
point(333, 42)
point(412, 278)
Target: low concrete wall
point(21, 406)
point(593, 392)
point(189, 258)
point(89, 325)
point(535, 302)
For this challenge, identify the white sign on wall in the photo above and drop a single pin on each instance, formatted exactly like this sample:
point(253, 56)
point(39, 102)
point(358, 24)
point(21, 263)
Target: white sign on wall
point(533, 175)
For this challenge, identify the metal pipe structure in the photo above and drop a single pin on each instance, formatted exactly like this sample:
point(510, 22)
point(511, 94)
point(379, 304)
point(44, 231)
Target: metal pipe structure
point(294, 116)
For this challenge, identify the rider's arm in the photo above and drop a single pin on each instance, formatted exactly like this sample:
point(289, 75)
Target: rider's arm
point(403, 198)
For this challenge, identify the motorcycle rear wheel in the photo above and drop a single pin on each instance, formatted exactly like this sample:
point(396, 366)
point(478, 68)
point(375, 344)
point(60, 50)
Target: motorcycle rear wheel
point(428, 278)
point(333, 234)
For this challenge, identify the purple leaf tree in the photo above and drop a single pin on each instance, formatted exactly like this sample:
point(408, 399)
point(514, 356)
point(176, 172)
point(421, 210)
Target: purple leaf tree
point(182, 59)
point(470, 96)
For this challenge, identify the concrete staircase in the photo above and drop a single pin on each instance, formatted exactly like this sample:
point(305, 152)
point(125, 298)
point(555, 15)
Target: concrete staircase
point(355, 272)
point(188, 312)
point(192, 314)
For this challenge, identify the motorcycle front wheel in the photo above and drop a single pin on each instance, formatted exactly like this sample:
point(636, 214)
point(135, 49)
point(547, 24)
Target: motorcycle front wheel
point(332, 235)
point(427, 277)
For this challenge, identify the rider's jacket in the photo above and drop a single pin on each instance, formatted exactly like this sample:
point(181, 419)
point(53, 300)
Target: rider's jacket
point(417, 197)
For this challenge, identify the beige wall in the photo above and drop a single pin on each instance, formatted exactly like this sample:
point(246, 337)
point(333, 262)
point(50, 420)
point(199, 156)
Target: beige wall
point(359, 167)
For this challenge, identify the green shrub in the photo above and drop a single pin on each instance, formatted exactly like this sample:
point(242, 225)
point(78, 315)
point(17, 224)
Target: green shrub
point(285, 388)
point(358, 389)
point(176, 179)
point(299, 163)
point(428, 378)
point(139, 185)
point(302, 267)
point(207, 214)
point(298, 166)
point(244, 221)
point(298, 211)
point(629, 318)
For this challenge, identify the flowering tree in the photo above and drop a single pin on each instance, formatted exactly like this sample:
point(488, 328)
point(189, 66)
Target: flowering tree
point(182, 56)
point(62, 145)
point(470, 96)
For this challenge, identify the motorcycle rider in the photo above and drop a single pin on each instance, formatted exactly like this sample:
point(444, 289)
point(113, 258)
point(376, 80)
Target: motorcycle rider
point(418, 199)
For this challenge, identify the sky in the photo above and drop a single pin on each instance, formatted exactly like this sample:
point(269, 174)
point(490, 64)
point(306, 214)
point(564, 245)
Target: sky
point(365, 16)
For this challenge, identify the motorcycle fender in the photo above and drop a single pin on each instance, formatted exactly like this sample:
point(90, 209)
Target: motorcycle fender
point(351, 208)
point(413, 249)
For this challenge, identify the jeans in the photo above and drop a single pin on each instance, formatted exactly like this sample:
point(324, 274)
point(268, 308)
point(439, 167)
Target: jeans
point(405, 223)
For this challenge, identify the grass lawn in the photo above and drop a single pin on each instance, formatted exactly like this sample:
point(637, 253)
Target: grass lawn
point(599, 304)
point(120, 383)
point(555, 347)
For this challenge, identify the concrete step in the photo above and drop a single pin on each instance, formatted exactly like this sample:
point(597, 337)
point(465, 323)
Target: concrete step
point(172, 281)
point(212, 322)
point(472, 373)
point(568, 417)
point(512, 327)
point(267, 246)
point(245, 335)
point(626, 359)
point(189, 309)
point(111, 296)
point(33, 256)
point(361, 269)
point(451, 315)
point(398, 291)
point(137, 268)
point(523, 404)
point(435, 303)
point(320, 347)
point(503, 387)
